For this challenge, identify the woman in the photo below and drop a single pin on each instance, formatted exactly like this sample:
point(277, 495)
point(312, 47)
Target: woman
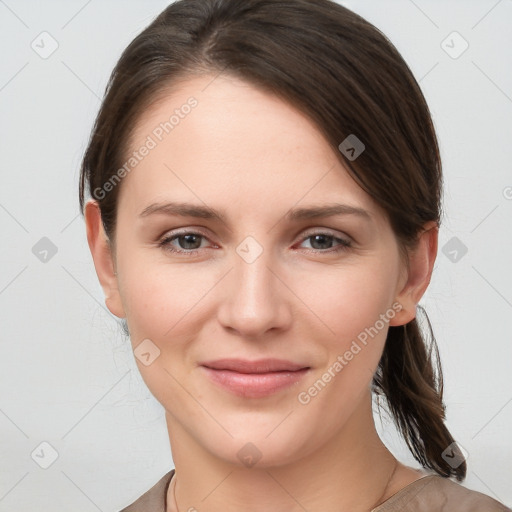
point(265, 188)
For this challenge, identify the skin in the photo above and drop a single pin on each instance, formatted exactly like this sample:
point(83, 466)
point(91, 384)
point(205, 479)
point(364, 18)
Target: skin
point(253, 156)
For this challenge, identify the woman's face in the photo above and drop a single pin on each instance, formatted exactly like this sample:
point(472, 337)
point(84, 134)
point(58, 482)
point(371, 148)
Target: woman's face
point(265, 281)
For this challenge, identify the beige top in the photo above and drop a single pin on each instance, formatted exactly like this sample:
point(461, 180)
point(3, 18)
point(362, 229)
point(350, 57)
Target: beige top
point(431, 493)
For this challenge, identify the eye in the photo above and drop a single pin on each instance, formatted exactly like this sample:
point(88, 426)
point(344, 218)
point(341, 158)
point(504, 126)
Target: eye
point(322, 242)
point(188, 243)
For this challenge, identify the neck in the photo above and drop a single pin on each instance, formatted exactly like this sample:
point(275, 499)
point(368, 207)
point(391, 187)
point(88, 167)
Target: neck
point(353, 471)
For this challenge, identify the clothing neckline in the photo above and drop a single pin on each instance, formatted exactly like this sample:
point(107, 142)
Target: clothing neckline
point(401, 492)
point(380, 508)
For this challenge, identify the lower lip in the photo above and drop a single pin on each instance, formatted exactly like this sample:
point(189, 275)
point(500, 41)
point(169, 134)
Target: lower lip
point(254, 385)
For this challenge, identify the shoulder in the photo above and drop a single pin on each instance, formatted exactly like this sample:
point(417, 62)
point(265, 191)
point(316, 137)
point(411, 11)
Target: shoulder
point(434, 493)
point(154, 499)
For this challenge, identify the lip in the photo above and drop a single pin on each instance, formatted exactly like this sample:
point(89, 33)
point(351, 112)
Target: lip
point(254, 379)
point(256, 366)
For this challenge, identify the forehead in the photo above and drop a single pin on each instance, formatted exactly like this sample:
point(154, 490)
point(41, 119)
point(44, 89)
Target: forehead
point(222, 138)
point(229, 113)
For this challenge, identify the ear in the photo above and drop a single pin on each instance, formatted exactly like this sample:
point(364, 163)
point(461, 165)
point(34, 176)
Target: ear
point(101, 252)
point(416, 278)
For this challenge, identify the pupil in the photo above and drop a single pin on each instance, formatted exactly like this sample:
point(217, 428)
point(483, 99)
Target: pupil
point(189, 239)
point(325, 239)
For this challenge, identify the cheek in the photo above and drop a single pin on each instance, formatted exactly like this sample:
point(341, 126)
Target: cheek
point(162, 305)
point(349, 300)
point(157, 298)
point(354, 303)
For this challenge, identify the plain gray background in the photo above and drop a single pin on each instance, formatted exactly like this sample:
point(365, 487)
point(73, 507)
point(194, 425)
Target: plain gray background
point(67, 375)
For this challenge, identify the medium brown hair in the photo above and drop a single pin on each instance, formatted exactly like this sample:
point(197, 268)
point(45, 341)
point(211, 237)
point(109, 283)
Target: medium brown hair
point(348, 78)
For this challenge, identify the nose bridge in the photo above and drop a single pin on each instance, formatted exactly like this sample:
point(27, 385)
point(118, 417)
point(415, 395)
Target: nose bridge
point(253, 302)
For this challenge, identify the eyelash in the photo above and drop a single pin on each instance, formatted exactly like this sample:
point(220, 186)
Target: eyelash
point(166, 241)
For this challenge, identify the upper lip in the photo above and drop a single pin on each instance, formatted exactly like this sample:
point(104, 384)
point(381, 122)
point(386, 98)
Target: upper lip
point(256, 366)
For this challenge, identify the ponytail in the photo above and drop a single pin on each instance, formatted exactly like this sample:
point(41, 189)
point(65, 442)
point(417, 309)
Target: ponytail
point(412, 382)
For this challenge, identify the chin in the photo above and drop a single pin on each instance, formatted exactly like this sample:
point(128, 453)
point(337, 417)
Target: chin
point(258, 449)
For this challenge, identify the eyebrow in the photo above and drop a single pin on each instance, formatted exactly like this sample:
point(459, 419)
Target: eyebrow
point(295, 214)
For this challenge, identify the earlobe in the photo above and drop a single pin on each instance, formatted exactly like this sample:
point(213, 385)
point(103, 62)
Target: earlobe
point(103, 259)
point(418, 275)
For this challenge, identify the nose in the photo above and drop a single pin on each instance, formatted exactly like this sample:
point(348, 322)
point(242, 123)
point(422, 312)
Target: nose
point(255, 300)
